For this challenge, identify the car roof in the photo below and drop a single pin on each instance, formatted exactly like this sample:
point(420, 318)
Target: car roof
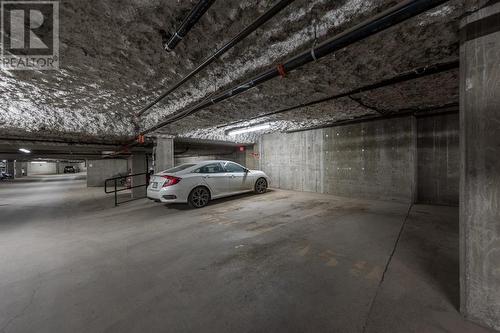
point(194, 166)
point(213, 161)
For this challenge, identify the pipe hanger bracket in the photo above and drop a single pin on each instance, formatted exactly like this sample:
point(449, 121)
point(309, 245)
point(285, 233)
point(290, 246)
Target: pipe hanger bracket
point(281, 70)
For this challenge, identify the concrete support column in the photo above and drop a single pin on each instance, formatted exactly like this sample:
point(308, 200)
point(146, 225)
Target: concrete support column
point(11, 168)
point(19, 171)
point(100, 170)
point(164, 152)
point(250, 160)
point(24, 168)
point(138, 165)
point(480, 166)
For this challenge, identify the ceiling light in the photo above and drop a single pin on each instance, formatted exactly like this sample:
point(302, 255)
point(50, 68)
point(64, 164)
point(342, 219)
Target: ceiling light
point(26, 151)
point(248, 129)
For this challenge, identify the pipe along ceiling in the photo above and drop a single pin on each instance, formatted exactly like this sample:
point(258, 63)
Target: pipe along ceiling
point(221, 51)
point(189, 22)
point(408, 76)
point(394, 15)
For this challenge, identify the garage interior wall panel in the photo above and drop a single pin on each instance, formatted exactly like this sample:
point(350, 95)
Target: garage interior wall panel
point(100, 170)
point(250, 158)
point(370, 160)
point(35, 168)
point(438, 159)
point(293, 162)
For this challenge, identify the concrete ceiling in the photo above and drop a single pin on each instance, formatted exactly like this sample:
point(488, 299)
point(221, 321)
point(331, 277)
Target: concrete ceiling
point(113, 63)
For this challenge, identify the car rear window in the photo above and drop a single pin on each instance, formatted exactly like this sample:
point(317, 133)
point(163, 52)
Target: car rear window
point(210, 168)
point(180, 168)
point(233, 167)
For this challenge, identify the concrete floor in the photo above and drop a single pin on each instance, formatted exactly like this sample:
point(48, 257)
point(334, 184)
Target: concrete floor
point(279, 262)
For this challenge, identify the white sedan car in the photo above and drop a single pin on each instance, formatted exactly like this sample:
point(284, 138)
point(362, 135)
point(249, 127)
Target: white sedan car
point(198, 183)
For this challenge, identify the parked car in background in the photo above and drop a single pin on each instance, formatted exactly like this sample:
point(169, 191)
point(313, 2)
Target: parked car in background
point(198, 183)
point(4, 175)
point(69, 169)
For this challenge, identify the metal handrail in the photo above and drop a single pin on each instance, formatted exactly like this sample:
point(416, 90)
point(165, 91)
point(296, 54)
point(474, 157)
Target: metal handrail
point(115, 185)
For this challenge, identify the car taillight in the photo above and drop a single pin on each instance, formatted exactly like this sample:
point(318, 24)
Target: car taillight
point(171, 180)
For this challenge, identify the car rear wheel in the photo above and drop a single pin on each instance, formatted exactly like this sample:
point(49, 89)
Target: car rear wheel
point(199, 197)
point(261, 186)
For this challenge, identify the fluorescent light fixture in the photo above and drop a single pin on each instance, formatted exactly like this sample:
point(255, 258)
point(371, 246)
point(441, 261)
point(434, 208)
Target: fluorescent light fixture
point(248, 129)
point(39, 162)
point(23, 150)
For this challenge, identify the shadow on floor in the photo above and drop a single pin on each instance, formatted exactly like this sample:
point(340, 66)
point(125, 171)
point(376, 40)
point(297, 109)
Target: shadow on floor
point(216, 202)
point(432, 238)
point(420, 291)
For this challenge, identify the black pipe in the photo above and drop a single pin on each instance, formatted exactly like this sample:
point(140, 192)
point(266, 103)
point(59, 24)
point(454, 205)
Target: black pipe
point(450, 108)
point(194, 16)
point(411, 75)
point(229, 45)
point(380, 22)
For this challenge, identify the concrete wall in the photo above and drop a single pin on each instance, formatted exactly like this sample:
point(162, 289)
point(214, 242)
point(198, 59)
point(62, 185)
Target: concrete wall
point(251, 159)
point(438, 159)
point(376, 159)
point(138, 164)
point(100, 170)
point(370, 160)
point(35, 168)
point(164, 152)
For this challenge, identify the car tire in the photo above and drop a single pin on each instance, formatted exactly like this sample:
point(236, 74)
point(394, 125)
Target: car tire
point(199, 197)
point(260, 186)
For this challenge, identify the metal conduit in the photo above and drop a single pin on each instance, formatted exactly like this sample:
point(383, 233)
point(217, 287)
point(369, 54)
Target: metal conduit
point(411, 75)
point(229, 45)
point(449, 108)
point(194, 16)
point(380, 22)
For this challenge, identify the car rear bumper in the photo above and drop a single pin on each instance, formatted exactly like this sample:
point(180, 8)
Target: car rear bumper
point(153, 195)
point(166, 195)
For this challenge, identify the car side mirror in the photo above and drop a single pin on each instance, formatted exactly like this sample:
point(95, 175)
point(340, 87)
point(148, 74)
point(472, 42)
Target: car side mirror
point(247, 171)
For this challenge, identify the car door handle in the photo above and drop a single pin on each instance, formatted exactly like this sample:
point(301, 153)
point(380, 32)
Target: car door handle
point(232, 176)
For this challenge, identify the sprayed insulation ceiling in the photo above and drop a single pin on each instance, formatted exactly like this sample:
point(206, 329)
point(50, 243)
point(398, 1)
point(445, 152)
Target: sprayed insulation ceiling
point(113, 63)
